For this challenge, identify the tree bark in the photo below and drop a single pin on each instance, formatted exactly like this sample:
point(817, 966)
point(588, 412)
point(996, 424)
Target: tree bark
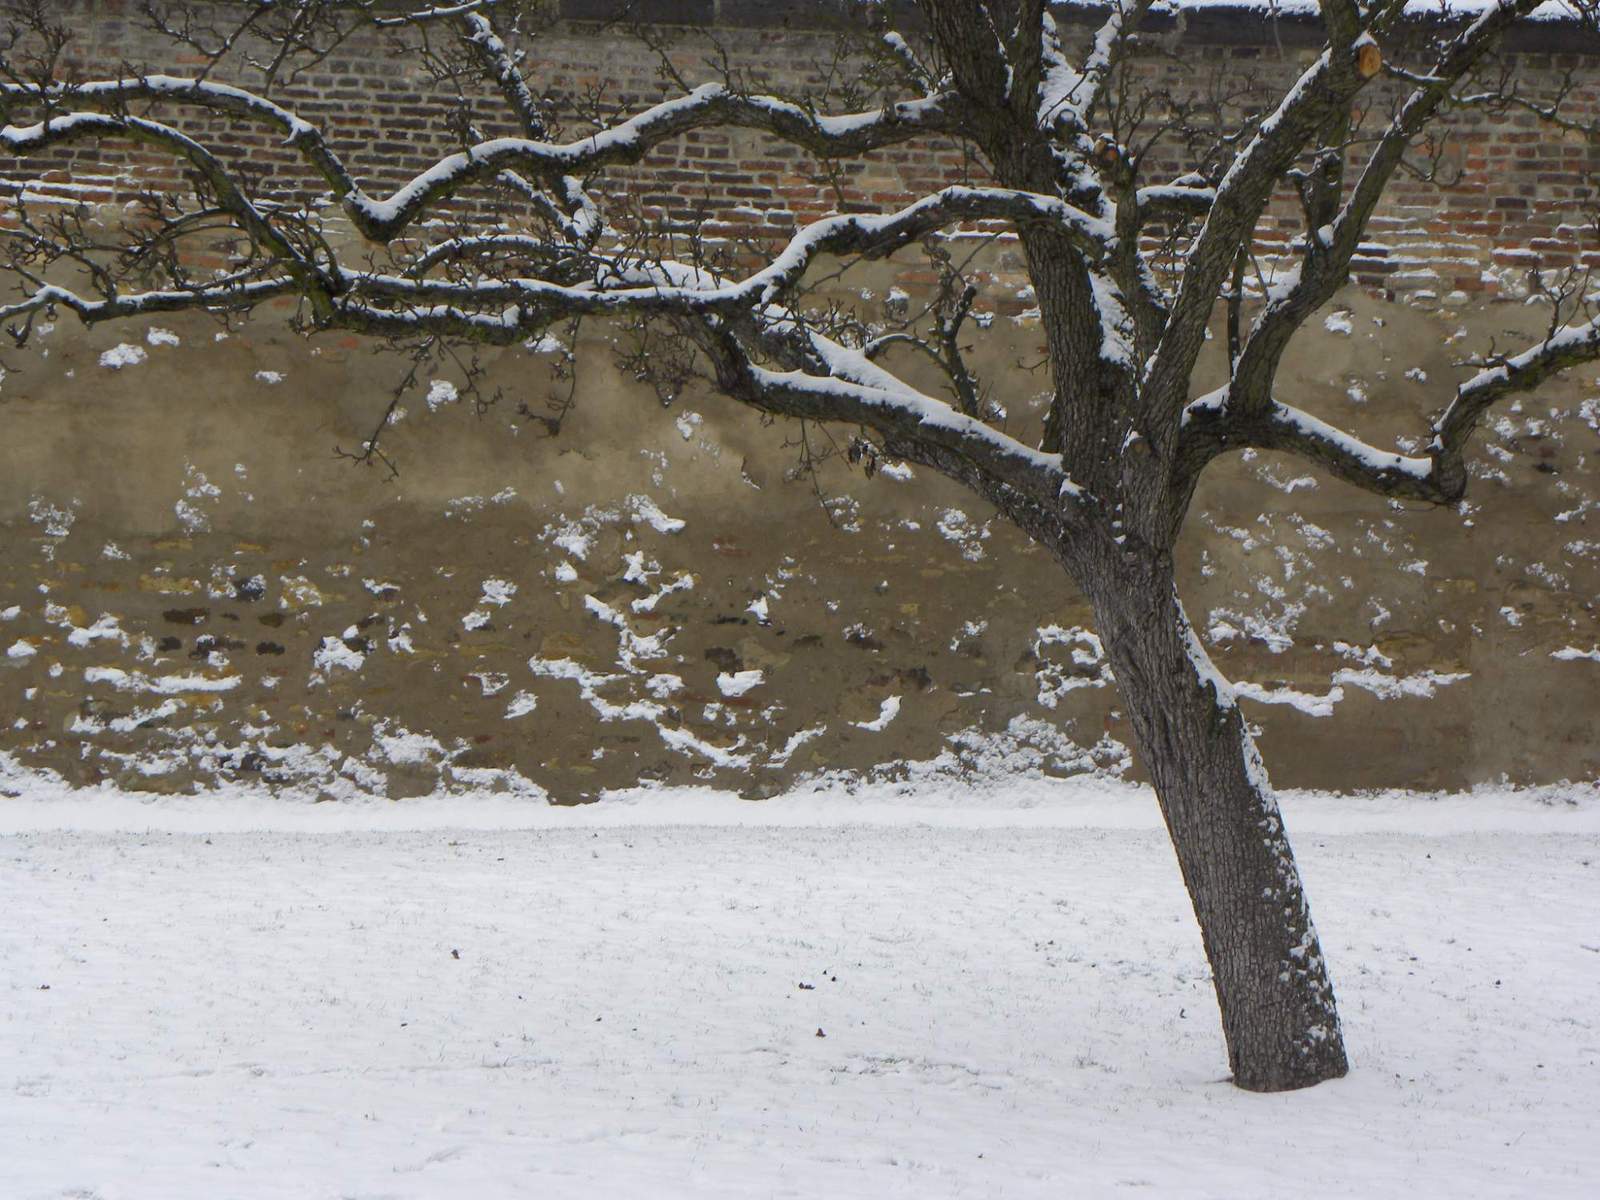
point(1272, 985)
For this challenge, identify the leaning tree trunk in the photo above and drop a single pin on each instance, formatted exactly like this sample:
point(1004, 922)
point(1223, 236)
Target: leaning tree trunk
point(1272, 984)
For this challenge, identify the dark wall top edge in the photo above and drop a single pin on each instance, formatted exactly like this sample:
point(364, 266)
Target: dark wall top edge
point(1250, 22)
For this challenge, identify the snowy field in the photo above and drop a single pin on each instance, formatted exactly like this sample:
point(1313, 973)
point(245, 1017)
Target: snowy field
point(681, 995)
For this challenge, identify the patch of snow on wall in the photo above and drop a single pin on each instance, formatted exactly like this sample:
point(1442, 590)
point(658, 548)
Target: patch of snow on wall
point(197, 490)
point(664, 685)
point(440, 393)
point(106, 628)
point(1423, 685)
point(796, 740)
point(575, 540)
point(630, 645)
point(125, 354)
point(645, 509)
point(490, 682)
point(162, 685)
point(333, 654)
point(498, 591)
point(887, 712)
point(1572, 653)
point(955, 526)
point(1086, 665)
point(647, 604)
point(56, 520)
point(1307, 702)
point(739, 682)
point(402, 747)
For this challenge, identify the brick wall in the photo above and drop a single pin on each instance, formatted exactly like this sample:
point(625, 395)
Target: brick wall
point(1510, 194)
point(193, 588)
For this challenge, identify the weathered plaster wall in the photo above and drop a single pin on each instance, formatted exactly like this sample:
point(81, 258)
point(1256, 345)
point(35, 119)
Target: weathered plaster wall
point(193, 586)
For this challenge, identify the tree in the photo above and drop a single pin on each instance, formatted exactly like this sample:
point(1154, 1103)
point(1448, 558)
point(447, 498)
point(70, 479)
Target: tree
point(1066, 159)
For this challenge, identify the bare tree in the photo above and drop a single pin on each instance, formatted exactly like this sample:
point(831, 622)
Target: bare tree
point(1107, 487)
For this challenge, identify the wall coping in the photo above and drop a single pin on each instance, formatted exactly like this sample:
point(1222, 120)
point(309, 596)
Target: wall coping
point(1294, 23)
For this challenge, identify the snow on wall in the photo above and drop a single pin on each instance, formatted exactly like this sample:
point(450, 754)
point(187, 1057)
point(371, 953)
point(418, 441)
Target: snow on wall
point(573, 615)
point(567, 615)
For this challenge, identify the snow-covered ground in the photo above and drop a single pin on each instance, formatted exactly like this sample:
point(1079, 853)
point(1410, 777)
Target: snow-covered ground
point(994, 994)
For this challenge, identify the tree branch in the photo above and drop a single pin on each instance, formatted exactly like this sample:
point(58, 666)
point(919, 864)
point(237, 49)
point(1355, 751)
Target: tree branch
point(1068, 95)
point(75, 126)
point(1567, 347)
point(1161, 201)
point(620, 288)
point(1330, 246)
point(382, 220)
point(1211, 426)
point(1324, 88)
point(856, 390)
point(1215, 424)
point(232, 295)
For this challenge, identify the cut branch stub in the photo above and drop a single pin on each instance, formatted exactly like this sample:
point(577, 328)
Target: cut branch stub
point(1369, 59)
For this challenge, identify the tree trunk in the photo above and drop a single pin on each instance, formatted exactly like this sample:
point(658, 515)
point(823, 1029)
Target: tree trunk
point(1272, 985)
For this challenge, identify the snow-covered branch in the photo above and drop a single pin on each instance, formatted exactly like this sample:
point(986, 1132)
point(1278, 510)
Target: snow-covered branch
point(1567, 347)
point(384, 218)
point(1212, 426)
point(1323, 89)
point(640, 290)
point(856, 390)
point(111, 97)
point(848, 389)
point(1067, 93)
point(1217, 423)
point(75, 126)
point(439, 12)
point(1332, 240)
point(1174, 200)
point(224, 295)
point(486, 248)
point(572, 208)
